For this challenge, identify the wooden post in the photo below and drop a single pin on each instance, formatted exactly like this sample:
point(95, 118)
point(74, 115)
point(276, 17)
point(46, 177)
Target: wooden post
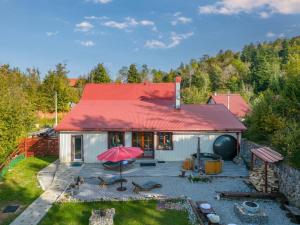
point(266, 177)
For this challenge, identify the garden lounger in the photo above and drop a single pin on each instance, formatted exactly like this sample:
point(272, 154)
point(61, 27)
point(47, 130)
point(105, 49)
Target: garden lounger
point(111, 180)
point(148, 186)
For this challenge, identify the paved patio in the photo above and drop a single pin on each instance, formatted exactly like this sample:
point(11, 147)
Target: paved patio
point(167, 169)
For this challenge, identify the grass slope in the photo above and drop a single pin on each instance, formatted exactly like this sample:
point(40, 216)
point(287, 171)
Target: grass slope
point(20, 185)
point(127, 213)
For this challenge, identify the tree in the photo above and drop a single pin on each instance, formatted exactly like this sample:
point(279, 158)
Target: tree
point(133, 75)
point(16, 110)
point(144, 74)
point(57, 81)
point(157, 76)
point(99, 75)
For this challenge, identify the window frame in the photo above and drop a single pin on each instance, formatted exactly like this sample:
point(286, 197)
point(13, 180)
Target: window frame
point(109, 135)
point(163, 148)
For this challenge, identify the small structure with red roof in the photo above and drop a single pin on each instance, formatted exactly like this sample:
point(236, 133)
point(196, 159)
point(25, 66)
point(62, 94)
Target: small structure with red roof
point(233, 102)
point(73, 82)
point(146, 115)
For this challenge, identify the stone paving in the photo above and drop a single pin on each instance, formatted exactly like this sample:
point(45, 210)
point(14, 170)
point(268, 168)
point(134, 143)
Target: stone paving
point(46, 175)
point(38, 209)
point(168, 169)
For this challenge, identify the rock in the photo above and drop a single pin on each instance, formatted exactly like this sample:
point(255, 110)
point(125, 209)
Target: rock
point(102, 217)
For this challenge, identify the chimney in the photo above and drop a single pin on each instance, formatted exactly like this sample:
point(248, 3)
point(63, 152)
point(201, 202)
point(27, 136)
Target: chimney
point(215, 93)
point(177, 92)
point(228, 100)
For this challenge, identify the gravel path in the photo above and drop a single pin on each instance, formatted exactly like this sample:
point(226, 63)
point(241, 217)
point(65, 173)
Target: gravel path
point(176, 187)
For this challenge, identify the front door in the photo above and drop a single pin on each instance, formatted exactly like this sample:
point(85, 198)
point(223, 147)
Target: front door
point(144, 140)
point(77, 148)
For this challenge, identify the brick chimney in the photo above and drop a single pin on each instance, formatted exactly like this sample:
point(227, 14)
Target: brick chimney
point(177, 92)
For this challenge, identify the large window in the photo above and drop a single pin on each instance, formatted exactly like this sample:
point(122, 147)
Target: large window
point(145, 141)
point(115, 139)
point(164, 141)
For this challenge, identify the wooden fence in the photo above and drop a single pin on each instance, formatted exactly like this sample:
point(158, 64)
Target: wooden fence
point(33, 146)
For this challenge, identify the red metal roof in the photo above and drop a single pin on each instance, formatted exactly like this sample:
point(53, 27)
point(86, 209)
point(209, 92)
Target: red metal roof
point(114, 91)
point(266, 154)
point(73, 81)
point(237, 105)
point(143, 107)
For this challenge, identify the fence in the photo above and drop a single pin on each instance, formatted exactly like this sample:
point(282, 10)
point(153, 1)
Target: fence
point(33, 146)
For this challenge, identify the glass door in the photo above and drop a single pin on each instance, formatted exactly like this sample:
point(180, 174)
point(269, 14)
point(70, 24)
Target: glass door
point(145, 141)
point(77, 151)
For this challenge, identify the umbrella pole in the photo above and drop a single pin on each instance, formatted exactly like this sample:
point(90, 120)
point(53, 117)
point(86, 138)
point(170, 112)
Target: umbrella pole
point(121, 188)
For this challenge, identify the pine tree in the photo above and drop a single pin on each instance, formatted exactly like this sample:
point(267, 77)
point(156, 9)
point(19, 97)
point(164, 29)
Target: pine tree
point(133, 75)
point(99, 75)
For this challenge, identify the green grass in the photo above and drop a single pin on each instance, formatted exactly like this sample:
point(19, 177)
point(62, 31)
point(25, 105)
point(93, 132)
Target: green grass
point(20, 185)
point(127, 213)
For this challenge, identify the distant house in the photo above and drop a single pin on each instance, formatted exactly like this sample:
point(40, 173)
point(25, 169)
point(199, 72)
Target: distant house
point(233, 102)
point(145, 115)
point(73, 82)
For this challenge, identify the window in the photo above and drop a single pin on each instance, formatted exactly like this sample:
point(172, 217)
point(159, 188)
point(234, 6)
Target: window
point(164, 141)
point(145, 141)
point(115, 139)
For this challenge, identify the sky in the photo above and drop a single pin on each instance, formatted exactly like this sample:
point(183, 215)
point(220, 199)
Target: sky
point(159, 33)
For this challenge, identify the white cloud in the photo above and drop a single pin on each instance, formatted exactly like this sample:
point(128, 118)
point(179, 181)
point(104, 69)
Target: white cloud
point(155, 44)
point(51, 33)
point(96, 17)
point(264, 7)
point(147, 23)
point(114, 24)
point(129, 22)
point(274, 35)
point(264, 15)
point(174, 40)
point(87, 43)
point(179, 19)
point(100, 1)
point(270, 34)
point(84, 26)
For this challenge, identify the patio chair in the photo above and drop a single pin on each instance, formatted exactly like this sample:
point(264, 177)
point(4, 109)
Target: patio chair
point(111, 180)
point(148, 186)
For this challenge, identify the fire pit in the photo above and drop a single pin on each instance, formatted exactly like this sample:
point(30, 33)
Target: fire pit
point(251, 206)
point(250, 212)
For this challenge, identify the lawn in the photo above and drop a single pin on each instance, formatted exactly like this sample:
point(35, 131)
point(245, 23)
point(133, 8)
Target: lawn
point(20, 185)
point(127, 213)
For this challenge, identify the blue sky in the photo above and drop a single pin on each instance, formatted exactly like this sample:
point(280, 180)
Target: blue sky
point(160, 33)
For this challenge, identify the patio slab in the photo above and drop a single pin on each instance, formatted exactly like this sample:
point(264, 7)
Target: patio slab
point(179, 187)
point(167, 169)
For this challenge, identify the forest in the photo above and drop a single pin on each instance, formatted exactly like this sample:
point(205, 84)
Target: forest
point(266, 74)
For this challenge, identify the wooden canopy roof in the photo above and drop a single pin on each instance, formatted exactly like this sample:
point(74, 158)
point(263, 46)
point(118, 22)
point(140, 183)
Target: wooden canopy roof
point(266, 154)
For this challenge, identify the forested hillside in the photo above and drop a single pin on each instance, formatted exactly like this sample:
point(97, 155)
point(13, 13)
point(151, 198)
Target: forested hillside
point(267, 75)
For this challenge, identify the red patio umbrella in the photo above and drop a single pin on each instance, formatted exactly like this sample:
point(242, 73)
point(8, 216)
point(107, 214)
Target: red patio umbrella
point(119, 154)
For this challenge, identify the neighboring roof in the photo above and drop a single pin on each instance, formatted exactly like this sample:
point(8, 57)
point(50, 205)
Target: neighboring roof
point(73, 82)
point(114, 91)
point(237, 105)
point(266, 154)
point(149, 106)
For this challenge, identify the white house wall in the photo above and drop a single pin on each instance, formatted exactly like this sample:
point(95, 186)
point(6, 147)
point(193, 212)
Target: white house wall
point(184, 144)
point(93, 144)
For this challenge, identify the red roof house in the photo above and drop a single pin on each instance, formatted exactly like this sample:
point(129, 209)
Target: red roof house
point(145, 115)
point(233, 102)
point(73, 82)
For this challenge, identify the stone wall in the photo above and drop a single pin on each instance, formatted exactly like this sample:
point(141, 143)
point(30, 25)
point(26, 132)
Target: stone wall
point(289, 178)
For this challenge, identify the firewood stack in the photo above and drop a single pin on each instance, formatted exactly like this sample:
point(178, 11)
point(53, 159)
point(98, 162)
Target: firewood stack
point(257, 179)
